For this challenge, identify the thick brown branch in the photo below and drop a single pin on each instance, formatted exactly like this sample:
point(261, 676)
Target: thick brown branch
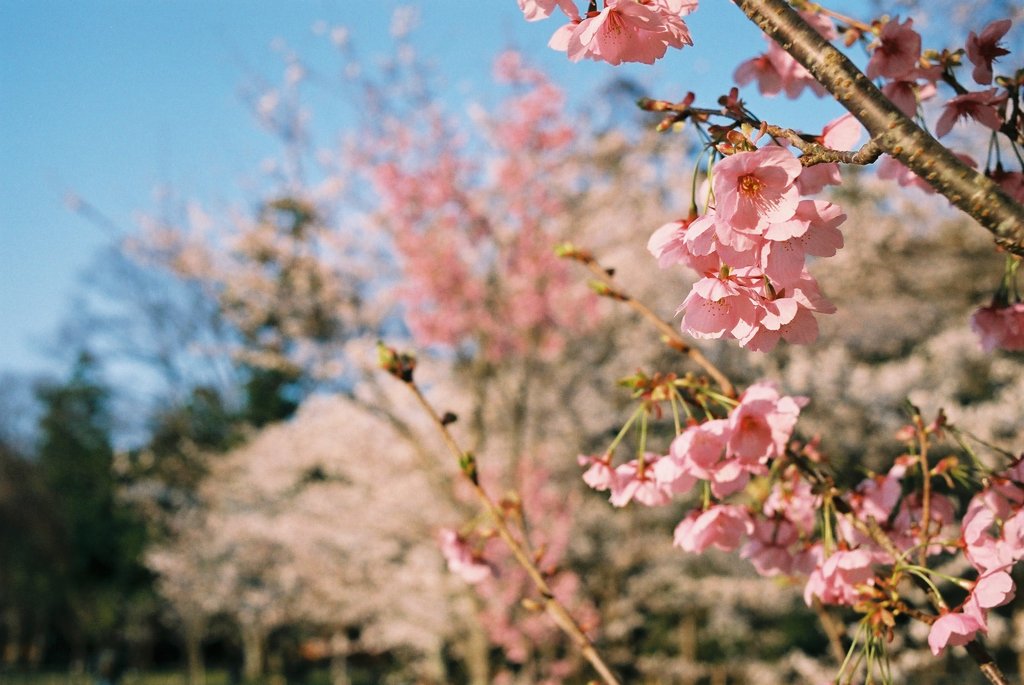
point(891, 129)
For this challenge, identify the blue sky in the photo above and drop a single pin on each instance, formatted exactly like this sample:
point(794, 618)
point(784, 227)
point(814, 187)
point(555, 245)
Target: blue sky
point(112, 99)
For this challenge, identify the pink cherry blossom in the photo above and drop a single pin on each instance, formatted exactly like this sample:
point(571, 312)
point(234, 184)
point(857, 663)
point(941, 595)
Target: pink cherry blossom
point(1000, 327)
point(770, 548)
point(839, 578)
point(906, 92)
point(842, 133)
point(535, 10)
point(762, 70)
point(721, 526)
point(699, 448)
point(753, 189)
point(721, 305)
point(993, 590)
point(600, 475)
point(984, 49)
point(669, 246)
point(625, 31)
point(783, 257)
point(896, 52)
point(891, 169)
point(762, 424)
point(796, 501)
point(982, 106)
point(635, 483)
point(952, 629)
point(776, 70)
point(461, 560)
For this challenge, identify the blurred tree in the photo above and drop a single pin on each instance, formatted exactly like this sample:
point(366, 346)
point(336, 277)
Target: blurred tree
point(101, 541)
point(31, 562)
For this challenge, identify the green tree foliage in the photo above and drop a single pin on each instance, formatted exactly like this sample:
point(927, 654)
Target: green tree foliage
point(98, 571)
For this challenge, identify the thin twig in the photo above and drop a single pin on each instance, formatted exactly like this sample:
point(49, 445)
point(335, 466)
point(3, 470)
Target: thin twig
point(814, 151)
point(555, 609)
point(833, 631)
point(668, 332)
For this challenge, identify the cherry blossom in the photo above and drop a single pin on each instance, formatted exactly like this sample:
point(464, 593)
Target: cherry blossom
point(984, 49)
point(761, 425)
point(982, 106)
point(625, 31)
point(756, 188)
point(634, 481)
point(1000, 327)
point(953, 629)
point(721, 526)
point(461, 560)
point(896, 52)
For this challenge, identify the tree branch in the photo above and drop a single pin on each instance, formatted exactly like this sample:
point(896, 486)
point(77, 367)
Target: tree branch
point(401, 368)
point(891, 129)
point(668, 333)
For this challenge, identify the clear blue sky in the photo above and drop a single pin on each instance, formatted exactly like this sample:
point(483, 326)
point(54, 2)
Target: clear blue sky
point(110, 99)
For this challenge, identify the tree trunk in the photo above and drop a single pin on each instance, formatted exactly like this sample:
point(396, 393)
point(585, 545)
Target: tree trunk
point(339, 670)
point(12, 645)
point(477, 654)
point(253, 639)
point(194, 631)
point(688, 646)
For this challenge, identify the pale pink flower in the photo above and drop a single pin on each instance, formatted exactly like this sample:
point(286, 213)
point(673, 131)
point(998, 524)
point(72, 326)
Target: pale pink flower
point(754, 189)
point(721, 526)
point(461, 560)
point(952, 630)
point(674, 474)
point(721, 305)
point(769, 547)
point(700, 448)
point(633, 483)
point(896, 52)
point(984, 49)
point(780, 321)
point(668, 244)
point(535, 10)
point(762, 423)
point(600, 474)
point(993, 590)
point(891, 169)
point(839, 134)
point(794, 76)
point(840, 578)
point(906, 93)
point(762, 70)
point(784, 253)
point(625, 31)
point(982, 106)
point(797, 502)
point(699, 453)
point(1000, 327)
point(730, 476)
point(776, 70)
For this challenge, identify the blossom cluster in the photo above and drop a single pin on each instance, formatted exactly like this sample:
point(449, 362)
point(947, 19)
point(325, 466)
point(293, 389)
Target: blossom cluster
point(992, 540)
point(623, 31)
point(782, 532)
point(751, 250)
point(724, 452)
